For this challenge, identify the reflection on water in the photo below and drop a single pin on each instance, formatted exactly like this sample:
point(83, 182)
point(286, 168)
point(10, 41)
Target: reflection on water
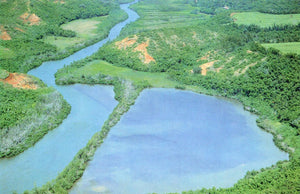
point(172, 140)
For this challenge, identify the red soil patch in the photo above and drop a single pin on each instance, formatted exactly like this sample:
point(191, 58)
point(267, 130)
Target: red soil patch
point(143, 49)
point(20, 81)
point(205, 66)
point(19, 29)
point(126, 42)
point(32, 19)
point(5, 36)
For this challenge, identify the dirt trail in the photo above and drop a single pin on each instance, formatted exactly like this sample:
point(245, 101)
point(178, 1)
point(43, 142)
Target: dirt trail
point(20, 81)
point(242, 71)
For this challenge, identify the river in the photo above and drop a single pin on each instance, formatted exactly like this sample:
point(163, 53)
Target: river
point(170, 140)
point(91, 106)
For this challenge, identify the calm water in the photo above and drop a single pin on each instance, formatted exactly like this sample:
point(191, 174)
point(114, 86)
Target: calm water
point(174, 140)
point(91, 106)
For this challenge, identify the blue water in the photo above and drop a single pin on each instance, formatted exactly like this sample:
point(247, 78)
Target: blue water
point(172, 140)
point(91, 106)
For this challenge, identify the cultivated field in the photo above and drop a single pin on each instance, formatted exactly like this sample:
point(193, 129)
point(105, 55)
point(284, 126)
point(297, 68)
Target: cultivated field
point(289, 47)
point(265, 20)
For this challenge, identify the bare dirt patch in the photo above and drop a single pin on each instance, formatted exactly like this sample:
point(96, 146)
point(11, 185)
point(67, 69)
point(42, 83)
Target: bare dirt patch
point(145, 57)
point(205, 66)
point(3, 34)
point(142, 48)
point(126, 42)
point(32, 19)
point(20, 81)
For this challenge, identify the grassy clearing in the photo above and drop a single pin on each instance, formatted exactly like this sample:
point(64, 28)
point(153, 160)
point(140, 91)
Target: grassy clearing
point(6, 53)
point(95, 67)
point(266, 20)
point(289, 47)
point(85, 29)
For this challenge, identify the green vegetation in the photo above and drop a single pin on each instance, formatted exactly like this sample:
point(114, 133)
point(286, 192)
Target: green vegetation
point(290, 47)
point(87, 31)
point(27, 115)
point(162, 14)
point(6, 53)
point(73, 74)
point(3, 74)
point(266, 20)
point(28, 23)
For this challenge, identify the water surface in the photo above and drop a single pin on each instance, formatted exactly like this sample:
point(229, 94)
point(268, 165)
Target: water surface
point(171, 141)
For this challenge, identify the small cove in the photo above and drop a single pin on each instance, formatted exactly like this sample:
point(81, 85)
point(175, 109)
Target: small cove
point(173, 140)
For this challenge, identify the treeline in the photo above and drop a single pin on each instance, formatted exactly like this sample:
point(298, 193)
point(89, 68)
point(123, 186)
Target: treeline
point(274, 34)
point(264, 6)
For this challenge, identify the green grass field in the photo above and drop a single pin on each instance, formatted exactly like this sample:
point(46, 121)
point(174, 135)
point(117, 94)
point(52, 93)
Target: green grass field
point(265, 20)
point(85, 29)
point(103, 67)
point(5, 53)
point(289, 47)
